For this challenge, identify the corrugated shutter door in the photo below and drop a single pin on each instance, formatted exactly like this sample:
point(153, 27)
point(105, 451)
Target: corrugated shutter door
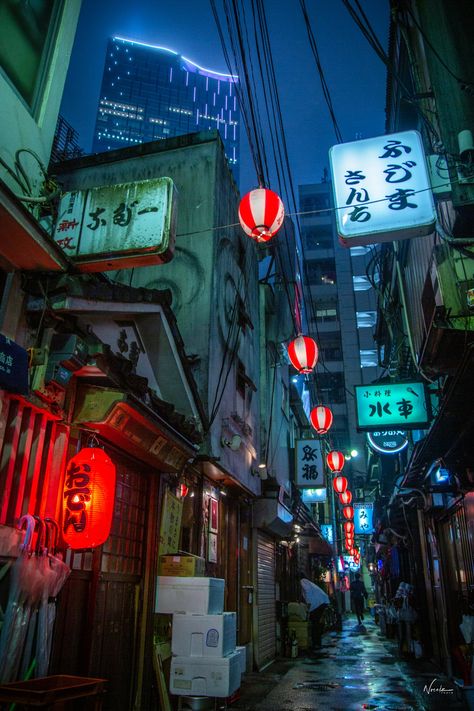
point(266, 612)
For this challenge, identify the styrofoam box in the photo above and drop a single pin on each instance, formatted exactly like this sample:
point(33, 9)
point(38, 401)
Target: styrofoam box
point(204, 635)
point(243, 658)
point(197, 676)
point(177, 594)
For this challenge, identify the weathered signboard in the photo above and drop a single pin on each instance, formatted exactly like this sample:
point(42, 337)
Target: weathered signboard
point(118, 226)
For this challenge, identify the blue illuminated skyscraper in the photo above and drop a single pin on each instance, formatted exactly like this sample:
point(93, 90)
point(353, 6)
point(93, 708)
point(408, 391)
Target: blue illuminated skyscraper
point(149, 93)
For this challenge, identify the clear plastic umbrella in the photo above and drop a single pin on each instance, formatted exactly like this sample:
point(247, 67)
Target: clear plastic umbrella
point(24, 592)
point(56, 576)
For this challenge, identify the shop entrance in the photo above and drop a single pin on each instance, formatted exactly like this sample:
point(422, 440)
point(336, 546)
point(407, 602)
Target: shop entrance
point(100, 612)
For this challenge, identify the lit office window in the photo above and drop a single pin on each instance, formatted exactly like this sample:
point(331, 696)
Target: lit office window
point(361, 283)
point(359, 251)
point(366, 319)
point(368, 358)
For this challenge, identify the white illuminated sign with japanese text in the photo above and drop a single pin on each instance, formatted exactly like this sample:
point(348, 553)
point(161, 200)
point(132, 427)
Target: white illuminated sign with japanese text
point(382, 189)
point(309, 471)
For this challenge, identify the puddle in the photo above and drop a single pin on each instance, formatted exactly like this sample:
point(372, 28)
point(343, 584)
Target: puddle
point(316, 686)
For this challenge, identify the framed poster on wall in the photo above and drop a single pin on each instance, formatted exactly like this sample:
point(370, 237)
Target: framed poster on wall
point(212, 548)
point(213, 515)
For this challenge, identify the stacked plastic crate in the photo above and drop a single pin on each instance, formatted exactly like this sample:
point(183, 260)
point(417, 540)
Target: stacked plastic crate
point(205, 661)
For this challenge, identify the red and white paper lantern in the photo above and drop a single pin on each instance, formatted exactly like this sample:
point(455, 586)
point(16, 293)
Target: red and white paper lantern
point(346, 497)
point(349, 527)
point(348, 512)
point(335, 461)
point(321, 419)
point(303, 354)
point(261, 214)
point(339, 484)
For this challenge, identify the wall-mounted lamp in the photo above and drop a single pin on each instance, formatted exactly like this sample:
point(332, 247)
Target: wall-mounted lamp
point(233, 443)
point(261, 471)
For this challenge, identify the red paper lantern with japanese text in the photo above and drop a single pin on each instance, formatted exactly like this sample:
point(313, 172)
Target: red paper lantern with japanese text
point(349, 527)
point(88, 499)
point(348, 512)
point(303, 354)
point(339, 484)
point(261, 214)
point(346, 497)
point(321, 419)
point(335, 461)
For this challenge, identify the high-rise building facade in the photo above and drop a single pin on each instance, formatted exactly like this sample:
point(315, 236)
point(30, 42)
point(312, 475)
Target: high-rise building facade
point(149, 93)
point(342, 320)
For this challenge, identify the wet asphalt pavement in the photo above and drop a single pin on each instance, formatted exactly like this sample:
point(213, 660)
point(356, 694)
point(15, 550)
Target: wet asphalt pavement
point(351, 671)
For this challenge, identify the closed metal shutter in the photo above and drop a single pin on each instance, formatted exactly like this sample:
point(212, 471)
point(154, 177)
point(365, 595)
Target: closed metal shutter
point(265, 642)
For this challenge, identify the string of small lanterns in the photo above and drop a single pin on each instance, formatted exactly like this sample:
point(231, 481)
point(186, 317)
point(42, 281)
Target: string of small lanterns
point(261, 214)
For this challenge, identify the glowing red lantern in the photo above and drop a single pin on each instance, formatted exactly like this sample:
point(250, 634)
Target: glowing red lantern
point(183, 490)
point(88, 499)
point(303, 354)
point(335, 461)
point(352, 551)
point(321, 419)
point(261, 214)
point(348, 512)
point(346, 497)
point(339, 484)
point(349, 527)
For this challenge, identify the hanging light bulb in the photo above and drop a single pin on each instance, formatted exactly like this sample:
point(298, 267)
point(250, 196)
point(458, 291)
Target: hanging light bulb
point(261, 214)
point(339, 484)
point(321, 419)
point(335, 461)
point(348, 512)
point(303, 354)
point(346, 497)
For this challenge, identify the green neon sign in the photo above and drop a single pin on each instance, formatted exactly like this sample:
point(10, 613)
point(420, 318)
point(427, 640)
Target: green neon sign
point(386, 405)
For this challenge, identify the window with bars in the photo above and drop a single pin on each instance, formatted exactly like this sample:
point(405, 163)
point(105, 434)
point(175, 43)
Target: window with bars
point(31, 461)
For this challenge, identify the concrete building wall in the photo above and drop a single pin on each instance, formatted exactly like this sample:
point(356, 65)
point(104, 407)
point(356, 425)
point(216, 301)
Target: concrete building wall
point(32, 128)
point(213, 279)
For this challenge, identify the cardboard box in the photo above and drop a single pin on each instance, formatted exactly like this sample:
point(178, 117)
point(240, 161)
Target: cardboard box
point(181, 565)
point(204, 596)
point(198, 676)
point(204, 635)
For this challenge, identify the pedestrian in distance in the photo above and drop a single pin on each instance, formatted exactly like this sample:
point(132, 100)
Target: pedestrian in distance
point(317, 602)
point(358, 593)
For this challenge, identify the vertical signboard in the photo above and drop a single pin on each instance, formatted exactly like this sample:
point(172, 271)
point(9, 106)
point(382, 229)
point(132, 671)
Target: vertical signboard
point(309, 471)
point(170, 528)
point(363, 518)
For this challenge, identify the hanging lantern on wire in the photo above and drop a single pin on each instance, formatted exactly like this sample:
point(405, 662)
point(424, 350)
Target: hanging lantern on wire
point(335, 461)
point(261, 214)
point(352, 551)
point(346, 497)
point(339, 484)
point(303, 354)
point(349, 527)
point(348, 512)
point(321, 419)
point(88, 499)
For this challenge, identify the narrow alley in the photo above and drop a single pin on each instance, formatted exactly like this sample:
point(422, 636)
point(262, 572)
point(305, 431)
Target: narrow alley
point(352, 671)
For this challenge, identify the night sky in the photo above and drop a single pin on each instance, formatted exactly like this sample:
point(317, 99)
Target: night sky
point(355, 75)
